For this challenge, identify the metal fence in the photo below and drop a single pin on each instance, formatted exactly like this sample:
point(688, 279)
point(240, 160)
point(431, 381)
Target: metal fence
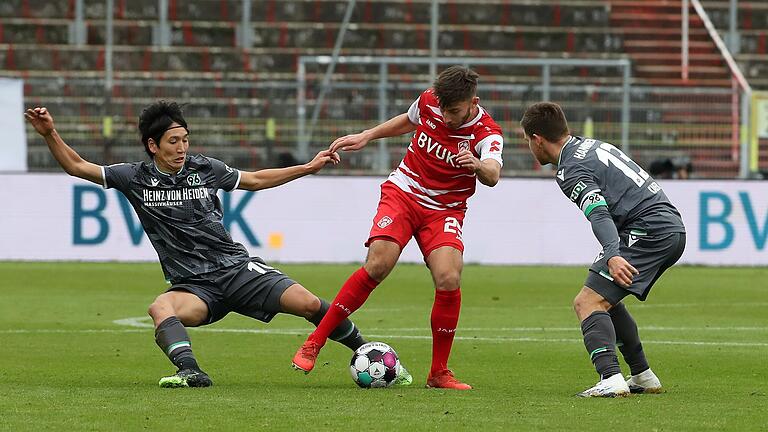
point(389, 96)
point(258, 124)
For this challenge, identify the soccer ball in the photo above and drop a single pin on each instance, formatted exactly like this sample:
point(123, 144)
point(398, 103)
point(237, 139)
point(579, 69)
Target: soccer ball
point(374, 364)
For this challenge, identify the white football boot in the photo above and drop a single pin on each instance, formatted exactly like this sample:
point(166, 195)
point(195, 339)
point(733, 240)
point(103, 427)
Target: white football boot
point(611, 387)
point(644, 382)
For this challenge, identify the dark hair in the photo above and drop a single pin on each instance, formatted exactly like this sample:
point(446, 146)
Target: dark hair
point(155, 119)
point(455, 84)
point(545, 119)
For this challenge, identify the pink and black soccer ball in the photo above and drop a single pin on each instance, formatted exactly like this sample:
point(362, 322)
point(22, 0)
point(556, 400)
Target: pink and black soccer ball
point(375, 365)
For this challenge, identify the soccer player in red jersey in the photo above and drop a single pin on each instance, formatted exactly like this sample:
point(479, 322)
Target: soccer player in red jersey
point(456, 143)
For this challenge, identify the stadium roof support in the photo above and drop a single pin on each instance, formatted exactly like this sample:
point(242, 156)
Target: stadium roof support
point(332, 64)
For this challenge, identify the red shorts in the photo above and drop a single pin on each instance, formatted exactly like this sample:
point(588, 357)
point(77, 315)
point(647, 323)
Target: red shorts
point(399, 218)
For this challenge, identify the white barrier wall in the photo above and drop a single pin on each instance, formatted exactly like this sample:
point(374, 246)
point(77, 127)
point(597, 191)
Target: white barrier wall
point(13, 136)
point(326, 219)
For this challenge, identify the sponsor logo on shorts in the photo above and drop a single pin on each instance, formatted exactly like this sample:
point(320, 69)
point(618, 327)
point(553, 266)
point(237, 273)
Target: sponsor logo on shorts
point(599, 256)
point(384, 222)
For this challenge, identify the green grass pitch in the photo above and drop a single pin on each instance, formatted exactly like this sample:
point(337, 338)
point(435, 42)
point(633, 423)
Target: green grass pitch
point(74, 359)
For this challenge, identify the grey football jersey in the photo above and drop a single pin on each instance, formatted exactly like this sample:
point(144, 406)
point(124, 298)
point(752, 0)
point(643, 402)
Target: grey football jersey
point(593, 173)
point(181, 213)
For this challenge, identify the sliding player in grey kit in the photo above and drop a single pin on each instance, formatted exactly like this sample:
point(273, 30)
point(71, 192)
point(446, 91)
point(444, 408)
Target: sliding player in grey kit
point(174, 196)
point(640, 230)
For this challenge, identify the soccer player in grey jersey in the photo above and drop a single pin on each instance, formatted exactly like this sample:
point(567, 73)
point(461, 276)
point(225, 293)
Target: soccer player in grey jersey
point(641, 233)
point(174, 196)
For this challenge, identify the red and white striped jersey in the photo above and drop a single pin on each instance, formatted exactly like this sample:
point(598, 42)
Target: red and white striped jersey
point(429, 173)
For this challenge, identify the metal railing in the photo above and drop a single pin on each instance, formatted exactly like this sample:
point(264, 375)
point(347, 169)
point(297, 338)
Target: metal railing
point(385, 86)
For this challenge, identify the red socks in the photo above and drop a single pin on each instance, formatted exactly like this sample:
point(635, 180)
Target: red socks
point(445, 316)
point(355, 291)
point(352, 295)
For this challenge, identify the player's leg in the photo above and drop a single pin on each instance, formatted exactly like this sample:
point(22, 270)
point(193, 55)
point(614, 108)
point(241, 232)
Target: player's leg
point(439, 239)
point(297, 300)
point(591, 308)
point(445, 264)
point(628, 339)
point(171, 311)
point(641, 379)
point(652, 256)
point(393, 227)
point(599, 334)
point(382, 257)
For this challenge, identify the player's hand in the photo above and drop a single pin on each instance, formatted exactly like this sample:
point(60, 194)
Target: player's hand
point(352, 142)
point(40, 119)
point(621, 271)
point(467, 160)
point(321, 159)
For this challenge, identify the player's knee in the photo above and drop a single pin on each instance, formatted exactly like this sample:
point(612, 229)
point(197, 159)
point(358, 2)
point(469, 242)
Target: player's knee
point(584, 305)
point(300, 302)
point(378, 269)
point(579, 304)
point(448, 280)
point(311, 306)
point(159, 307)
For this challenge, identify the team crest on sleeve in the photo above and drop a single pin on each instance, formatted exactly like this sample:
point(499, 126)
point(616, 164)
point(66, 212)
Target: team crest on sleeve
point(229, 170)
point(384, 222)
point(495, 147)
point(464, 145)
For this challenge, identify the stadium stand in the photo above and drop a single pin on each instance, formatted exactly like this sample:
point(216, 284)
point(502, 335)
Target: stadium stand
point(233, 92)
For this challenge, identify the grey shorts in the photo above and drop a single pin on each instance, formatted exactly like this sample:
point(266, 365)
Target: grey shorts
point(650, 255)
point(252, 289)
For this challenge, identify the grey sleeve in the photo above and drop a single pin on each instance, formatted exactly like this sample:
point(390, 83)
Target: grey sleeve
point(119, 176)
point(228, 178)
point(605, 231)
point(579, 186)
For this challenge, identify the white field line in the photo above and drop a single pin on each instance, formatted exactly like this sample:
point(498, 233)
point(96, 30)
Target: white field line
point(630, 305)
point(142, 324)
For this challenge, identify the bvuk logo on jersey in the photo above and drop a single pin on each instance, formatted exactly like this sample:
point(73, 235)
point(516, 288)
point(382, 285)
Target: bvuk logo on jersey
point(193, 179)
point(464, 145)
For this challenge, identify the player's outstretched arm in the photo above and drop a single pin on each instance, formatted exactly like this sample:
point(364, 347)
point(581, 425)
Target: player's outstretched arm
point(73, 164)
point(267, 178)
point(393, 127)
